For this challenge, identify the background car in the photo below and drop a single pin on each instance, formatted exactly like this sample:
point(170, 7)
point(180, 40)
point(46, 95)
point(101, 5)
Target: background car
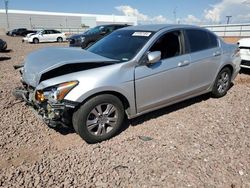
point(3, 45)
point(45, 36)
point(244, 45)
point(130, 72)
point(91, 36)
point(19, 32)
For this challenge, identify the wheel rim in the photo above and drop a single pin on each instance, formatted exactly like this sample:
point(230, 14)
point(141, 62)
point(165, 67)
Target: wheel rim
point(102, 119)
point(223, 82)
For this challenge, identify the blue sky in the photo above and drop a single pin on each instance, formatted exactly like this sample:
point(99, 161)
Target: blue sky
point(158, 10)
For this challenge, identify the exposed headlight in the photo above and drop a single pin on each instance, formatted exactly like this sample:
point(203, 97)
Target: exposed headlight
point(55, 93)
point(82, 39)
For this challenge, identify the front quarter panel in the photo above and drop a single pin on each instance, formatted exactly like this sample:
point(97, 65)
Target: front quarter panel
point(111, 78)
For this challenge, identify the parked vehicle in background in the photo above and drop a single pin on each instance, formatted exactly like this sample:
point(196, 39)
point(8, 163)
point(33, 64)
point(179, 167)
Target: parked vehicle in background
point(3, 45)
point(132, 71)
point(244, 45)
point(45, 36)
point(91, 36)
point(19, 32)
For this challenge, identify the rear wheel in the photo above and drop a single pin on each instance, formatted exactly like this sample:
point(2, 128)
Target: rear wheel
point(60, 39)
point(36, 40)
point(99, 119)
point(222, 83)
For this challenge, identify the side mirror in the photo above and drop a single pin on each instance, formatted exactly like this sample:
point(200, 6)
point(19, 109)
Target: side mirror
point(153, 57)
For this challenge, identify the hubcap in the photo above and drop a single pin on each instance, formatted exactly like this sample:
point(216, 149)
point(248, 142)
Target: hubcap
point(102, 119)
point(223, 82)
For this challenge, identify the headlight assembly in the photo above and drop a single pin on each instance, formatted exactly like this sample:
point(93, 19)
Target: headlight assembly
point(55, 93)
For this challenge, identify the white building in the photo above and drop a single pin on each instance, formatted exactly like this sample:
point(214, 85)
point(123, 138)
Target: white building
point(58, 20)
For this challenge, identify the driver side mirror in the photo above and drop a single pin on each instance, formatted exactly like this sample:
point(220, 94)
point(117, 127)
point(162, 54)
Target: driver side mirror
point(153, 57)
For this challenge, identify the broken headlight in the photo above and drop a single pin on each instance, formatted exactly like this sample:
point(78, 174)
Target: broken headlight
point(55, 93)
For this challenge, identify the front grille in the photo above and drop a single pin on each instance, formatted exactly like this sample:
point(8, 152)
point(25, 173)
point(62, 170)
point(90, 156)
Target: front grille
point(244, 47)
point(245, 63)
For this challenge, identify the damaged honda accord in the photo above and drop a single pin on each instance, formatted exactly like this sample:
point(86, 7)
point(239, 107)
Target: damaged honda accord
point(130, 72)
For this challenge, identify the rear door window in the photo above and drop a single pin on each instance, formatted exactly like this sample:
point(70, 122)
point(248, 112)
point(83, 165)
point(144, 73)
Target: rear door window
point(200, 40)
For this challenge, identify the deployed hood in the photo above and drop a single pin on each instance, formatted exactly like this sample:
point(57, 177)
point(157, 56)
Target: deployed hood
point(48, 59)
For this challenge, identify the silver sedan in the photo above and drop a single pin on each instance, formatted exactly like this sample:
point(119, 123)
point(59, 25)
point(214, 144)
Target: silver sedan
point(130, 72)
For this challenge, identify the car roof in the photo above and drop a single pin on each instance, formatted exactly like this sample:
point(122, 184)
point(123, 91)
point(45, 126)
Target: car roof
point(157, 27)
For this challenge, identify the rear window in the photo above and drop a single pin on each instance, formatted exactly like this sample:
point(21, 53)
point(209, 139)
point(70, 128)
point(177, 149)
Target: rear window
point(200, 40)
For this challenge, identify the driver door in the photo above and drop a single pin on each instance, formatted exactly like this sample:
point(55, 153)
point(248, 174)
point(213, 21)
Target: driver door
point(167, 80)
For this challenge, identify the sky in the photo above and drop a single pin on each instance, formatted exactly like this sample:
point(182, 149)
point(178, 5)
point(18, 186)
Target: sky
point(157, 11)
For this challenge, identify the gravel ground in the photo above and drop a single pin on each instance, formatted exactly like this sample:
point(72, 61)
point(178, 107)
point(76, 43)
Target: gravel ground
point(202, 142)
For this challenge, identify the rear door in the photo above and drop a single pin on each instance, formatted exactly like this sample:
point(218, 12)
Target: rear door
point(166, 80)
point(205, 55)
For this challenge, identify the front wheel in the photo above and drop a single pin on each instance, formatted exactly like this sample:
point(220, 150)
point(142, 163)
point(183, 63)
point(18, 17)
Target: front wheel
point(59, 39)
point(35, 40)
point(99, 119)
point(222, 83)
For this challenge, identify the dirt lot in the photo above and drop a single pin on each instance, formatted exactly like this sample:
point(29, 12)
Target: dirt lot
point(202, 142)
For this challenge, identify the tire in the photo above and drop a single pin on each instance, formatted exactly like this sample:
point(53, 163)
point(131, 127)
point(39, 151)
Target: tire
point(35, 40)
point(60, 39)
point(222, 83)
point(99, 119)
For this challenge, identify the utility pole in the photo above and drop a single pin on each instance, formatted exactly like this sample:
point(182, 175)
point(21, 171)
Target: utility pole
point(174, 12)
point(228, 19)
point(6, 11)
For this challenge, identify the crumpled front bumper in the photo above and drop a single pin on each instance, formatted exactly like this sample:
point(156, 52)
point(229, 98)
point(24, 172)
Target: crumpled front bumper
point(53, 114)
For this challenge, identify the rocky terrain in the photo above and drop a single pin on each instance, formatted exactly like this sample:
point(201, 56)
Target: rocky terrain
point(202, 142)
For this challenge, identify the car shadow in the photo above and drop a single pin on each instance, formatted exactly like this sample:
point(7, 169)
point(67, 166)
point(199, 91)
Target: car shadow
point(6, 51)
point(64, 130)
point(4, 58)
point(245, 71)
point(148, 116)
point(166, 110)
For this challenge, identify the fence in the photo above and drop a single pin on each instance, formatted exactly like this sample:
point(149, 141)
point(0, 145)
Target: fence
point(230, 30)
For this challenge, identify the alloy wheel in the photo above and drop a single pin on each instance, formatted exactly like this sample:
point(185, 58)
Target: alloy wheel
point(223, 82)
point(102, 119)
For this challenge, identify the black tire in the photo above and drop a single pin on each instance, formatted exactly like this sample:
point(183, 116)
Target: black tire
point(84, 113)
point(35, 40)
point(221, 87)
point(60, 39)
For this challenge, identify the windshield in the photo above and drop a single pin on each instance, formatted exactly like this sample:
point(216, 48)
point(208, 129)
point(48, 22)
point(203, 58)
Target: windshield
point(121, 45)
point(96, 29)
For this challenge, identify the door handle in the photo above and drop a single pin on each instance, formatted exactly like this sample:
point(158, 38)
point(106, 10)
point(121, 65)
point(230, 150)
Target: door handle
point(183, 63)
point(217, 53)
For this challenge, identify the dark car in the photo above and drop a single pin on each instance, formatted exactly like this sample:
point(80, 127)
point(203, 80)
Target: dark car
point(91, 36)
point(3, 45)
point(19, 32)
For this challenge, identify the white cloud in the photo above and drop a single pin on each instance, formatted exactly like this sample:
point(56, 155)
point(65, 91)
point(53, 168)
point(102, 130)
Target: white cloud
point(191, 19)
point(130, 11)
point(238, 9)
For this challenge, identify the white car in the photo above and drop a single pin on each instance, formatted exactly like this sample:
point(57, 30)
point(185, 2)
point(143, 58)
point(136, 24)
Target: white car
point(45, 36)
point(244, 45)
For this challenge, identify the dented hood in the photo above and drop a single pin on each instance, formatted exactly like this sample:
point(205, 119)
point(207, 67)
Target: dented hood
point(47, 59)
